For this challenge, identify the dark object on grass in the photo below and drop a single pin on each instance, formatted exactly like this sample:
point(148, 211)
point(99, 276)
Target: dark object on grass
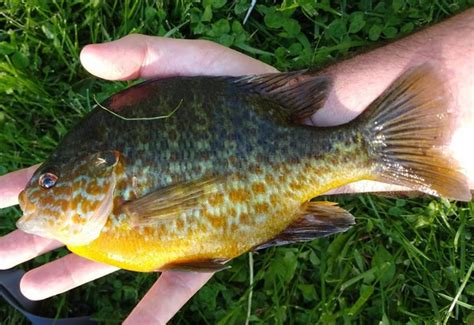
point(10, 291)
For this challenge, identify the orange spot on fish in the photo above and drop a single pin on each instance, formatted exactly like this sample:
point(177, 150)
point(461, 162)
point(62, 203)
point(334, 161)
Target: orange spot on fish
point(180, 225)
point(75, 203)
point(35, 195)
point(52, 214)
point(261, 207)
point(93, 189)
point(257, 170)
point(274, 199)
point(232, 212)
point(216, 199)
point(258, 188)
point(86, 206)
point(270, 180)
point(118, 201)
point(63, 204)
point(62, 191)
point(161, 228)
point(296, 186)
point(120, 186)
point(244, 218)
point(232, 160)
point(216, 221)
point(108, 223)
point(239, 195)
point(77, 219)
point(48, 200)
point(202, 228)
point(148, 231)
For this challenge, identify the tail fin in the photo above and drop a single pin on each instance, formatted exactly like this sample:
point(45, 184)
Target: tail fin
point(406, 129)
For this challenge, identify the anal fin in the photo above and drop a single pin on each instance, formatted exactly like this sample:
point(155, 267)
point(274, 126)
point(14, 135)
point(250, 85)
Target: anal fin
point(199, 265)
point(316, 219)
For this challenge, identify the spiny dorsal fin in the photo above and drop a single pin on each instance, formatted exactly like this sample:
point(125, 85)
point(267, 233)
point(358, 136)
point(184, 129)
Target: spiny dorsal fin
point(300, 93)
point(169, 202)
point(198, 265)
point(316, 219)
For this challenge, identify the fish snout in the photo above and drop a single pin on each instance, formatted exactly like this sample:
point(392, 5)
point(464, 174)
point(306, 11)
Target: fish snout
point(28, 223)
point(22, 200)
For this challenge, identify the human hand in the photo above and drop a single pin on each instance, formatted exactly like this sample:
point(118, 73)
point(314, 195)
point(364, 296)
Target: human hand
point(134, 56)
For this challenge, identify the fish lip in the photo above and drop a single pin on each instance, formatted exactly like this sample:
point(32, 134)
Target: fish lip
point(22, 200)
point(28, 224)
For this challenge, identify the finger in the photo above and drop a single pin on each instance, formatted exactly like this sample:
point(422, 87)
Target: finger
point(461, 136)
point(18, 247)
point(12, 184)
point(140, 56)
point(172, 290)
point(368, 187)
point(61, 275)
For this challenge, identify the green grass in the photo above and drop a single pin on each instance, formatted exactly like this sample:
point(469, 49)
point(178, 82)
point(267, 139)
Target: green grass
point(404, 262)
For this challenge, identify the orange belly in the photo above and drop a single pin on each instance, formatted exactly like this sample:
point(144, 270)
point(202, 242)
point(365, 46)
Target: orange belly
point(250, 210)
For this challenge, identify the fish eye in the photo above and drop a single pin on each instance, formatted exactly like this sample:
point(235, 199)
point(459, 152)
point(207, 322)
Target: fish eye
point(47, 180)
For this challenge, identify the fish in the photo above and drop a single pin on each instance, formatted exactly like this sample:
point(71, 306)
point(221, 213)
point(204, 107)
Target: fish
point(187, 173)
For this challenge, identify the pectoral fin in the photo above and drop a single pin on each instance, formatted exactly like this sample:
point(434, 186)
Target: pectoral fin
point(169, 202)
point(203, 265)
point(316, 219)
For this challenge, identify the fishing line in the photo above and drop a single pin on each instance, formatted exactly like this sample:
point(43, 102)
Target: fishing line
point(139, 118)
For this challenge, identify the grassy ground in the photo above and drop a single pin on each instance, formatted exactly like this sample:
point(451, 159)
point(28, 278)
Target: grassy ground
point(404, 262)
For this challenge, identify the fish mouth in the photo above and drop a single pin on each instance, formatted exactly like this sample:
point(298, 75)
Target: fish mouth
point(31, 224)
point(24, 223)
point(22, 201)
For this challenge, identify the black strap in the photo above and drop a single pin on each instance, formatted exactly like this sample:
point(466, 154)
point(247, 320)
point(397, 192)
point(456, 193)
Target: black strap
point(10, 291)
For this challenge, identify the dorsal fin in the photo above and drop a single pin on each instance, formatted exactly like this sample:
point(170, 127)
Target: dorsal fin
point(300, 93)
point(316, 219)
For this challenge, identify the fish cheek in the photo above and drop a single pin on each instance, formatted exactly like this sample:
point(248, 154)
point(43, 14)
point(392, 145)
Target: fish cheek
point(93, 189)
point(90, 190)
point(91, 205)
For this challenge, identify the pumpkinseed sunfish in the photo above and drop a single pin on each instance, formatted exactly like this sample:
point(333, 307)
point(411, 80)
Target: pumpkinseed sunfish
point(187, 173)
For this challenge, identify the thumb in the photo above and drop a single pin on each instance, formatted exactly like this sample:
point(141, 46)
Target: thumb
point(117, 60)
point(140, 56)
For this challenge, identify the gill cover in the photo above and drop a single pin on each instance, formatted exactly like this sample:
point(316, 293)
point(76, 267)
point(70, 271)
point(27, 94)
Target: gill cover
point(75, 209)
